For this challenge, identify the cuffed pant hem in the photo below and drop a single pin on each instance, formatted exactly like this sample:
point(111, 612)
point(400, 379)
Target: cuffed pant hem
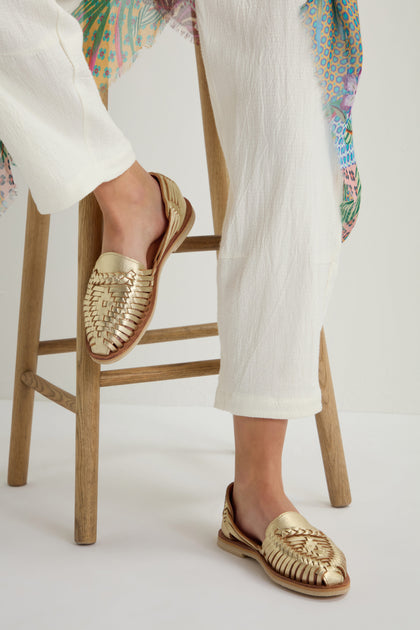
point(88, 179)
point(242, 404)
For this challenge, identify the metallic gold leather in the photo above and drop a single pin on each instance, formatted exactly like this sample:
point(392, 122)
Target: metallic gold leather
point(117, 295)
point(175, 208)
point(120, 288)
point(292, 547)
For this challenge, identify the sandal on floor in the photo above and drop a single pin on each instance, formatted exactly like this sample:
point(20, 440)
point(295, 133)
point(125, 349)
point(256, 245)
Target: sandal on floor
point(121, 294)
point(294, 553)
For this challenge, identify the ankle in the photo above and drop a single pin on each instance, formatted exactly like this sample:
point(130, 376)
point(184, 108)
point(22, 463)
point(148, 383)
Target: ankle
point(256, 505)
point(117, 202)
point(266, 486)
point(262, 498)
point(138, 211)
point(131, 189)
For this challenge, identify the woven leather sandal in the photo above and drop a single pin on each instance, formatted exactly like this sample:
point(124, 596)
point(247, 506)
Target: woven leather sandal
point(294, 553)
point(121, 294)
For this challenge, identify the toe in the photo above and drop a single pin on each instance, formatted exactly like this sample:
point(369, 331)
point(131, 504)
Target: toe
point(333, 576)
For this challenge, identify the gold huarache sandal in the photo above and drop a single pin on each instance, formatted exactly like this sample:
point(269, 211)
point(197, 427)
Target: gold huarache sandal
point(294, 553)
point(121, 294)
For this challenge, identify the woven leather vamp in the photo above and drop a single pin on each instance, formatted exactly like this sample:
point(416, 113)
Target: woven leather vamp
point(305, 554)
point(113, 306)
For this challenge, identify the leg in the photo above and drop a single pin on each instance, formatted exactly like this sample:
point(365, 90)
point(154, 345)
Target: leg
point(258, 492)
point(67, 113)
point(133, 213)
point(329, 434)
point(260, 521)
point(66, 143)
point(281, 235)
point(280, 242)
point(87, 384)
point(32, 291)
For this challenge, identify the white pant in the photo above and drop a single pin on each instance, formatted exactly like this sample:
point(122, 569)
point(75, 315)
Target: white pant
point(52, 119)
point(282, 234)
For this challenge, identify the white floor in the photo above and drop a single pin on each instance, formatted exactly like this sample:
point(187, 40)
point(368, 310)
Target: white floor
point(163, 473)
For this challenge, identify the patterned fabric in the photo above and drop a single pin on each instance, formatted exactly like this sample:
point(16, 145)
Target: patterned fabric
point(338, 55)
point(115, 31)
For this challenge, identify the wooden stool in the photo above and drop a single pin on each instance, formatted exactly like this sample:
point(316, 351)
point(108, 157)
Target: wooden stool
point(89, 375)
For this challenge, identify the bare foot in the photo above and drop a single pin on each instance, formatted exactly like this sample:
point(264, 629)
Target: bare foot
point(255, 507)
point(134, 214)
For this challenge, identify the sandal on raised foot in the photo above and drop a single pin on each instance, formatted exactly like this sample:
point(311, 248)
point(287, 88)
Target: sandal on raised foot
point(294, 553)
point(121, 294)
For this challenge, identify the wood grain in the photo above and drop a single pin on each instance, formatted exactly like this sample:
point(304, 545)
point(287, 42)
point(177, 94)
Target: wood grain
point(159, 372)
point(87, 378)
point(329, 434)
point(49, 390)
point(31, 296)
point(216, 163)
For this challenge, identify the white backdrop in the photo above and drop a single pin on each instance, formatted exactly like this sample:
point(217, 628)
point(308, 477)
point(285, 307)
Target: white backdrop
point(372, 324)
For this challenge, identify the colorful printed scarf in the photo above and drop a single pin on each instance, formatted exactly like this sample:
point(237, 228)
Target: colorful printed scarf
point(115, 31)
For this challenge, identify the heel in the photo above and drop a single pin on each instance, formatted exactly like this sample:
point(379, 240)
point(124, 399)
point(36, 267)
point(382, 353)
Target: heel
point(188, 223)
point(228, 545)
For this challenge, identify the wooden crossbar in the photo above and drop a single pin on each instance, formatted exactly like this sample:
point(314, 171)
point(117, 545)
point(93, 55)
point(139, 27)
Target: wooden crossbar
point(49, 390)
point(209, 242)
point(156, 335)
point(159, 372)
point(127, 376)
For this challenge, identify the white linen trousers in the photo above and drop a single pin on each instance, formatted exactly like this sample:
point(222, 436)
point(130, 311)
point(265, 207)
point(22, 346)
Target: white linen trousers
point(281, 237)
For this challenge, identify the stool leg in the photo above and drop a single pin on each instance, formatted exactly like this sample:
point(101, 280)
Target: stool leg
point(31, 296)
point(330, 435)
point(216, 165)
point(87, 382)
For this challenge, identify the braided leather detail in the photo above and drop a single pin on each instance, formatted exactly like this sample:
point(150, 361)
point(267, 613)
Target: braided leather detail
point(174, 224)
point(304, 554)
point(231, 531)
point(175, 206)
point(114, 305)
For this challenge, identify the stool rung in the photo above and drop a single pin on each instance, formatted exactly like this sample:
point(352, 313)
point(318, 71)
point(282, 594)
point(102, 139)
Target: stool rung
point(126, 376)
point(47, 389)
point(159, 372)
point(57, 346)
point(199, 244)
point(157, 335)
